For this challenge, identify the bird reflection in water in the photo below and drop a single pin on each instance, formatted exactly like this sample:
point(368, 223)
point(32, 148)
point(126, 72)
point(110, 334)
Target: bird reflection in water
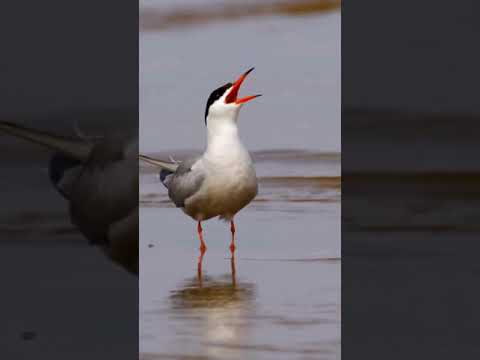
point(232, 265)
point(222, 308)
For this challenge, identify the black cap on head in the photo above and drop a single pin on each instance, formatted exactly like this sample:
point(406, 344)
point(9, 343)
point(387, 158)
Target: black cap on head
point(214, 96)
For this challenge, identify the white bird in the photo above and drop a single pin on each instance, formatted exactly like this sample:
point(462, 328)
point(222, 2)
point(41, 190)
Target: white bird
point(222, 180)
point(100, 181)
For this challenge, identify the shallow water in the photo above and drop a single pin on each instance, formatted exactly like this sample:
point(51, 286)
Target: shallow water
point(279, 299)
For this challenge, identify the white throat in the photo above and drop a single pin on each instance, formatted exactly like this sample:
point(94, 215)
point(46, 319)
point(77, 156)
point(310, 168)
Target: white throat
point(223, 136)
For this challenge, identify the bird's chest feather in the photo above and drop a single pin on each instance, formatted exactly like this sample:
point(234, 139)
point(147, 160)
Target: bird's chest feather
point(231, 183)
point(231, 179)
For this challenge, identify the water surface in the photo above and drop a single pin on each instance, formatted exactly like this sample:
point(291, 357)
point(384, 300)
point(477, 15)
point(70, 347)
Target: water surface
point(297, 70)
point(278, 299)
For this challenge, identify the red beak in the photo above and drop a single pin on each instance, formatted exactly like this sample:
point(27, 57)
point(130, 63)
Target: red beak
point(233, 94)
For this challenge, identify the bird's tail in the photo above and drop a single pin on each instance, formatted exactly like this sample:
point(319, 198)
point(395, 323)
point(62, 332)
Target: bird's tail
point(165, 165)
point(73, 148)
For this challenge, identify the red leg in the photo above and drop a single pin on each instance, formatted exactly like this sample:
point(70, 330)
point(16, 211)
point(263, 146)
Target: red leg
point(199, 269)
point(234, 271)
point(203, 247)
point(232, 244)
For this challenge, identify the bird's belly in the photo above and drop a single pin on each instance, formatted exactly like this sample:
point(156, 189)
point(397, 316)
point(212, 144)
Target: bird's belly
point(222, 196)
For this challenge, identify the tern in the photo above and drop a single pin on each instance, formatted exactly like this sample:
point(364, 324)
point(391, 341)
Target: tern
point(100, 182)
point(221, 181)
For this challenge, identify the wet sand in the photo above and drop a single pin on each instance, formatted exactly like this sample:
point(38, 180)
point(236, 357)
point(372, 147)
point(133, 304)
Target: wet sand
point(158, 16)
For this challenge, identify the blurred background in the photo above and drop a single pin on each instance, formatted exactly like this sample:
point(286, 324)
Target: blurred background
point(189, 48)
point(284, 300)
point(62, 297)
point(410, 179)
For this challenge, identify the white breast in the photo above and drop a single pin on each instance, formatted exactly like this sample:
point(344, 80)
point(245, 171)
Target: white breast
point(230, 183)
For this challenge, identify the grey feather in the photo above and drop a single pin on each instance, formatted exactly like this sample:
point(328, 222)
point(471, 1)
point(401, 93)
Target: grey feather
point(178, 178)
point(184, 182)
point(170, 166)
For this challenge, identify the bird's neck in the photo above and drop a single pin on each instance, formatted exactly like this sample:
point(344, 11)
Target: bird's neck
point(222, 137)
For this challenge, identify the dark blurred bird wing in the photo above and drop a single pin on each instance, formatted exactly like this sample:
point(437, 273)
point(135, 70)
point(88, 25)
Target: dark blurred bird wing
point(71, 147)
point(123, 239)
point(106, 190)
point(101, 183)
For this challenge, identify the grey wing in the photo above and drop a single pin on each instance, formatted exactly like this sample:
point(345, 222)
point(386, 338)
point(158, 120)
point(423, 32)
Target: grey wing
point(185, 182)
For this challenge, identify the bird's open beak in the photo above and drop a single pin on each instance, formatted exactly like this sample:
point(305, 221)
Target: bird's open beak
point(233, 94)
